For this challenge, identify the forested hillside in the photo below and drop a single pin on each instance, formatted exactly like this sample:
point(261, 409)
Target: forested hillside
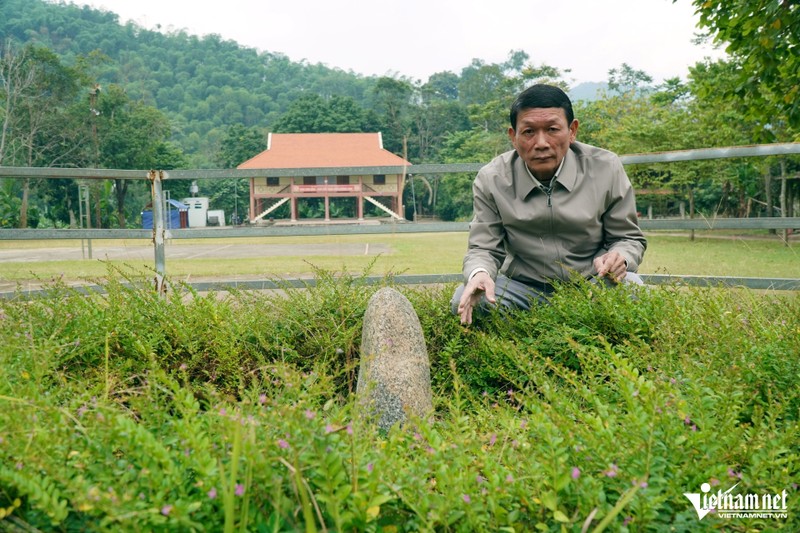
point(202, 84)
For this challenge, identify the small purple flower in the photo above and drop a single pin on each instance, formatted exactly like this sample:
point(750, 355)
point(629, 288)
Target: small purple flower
point(283, 444)
point(687, 421)
point(18, 466)
point(166, 510)
point(612, 471)
point(223, 411)
point(480, 479)
point(627, 520)
point(466, 498)
point(212, 494)
point(492, 439)
point(509, 479)
point(523, 424)
point(329, 428)
point(310, 415)
point(576, 472)
point(239, 490)
point(733, 473)
point(349, 429)
point(262, 399)
point(370, 466)
point(430, 450)
point(713, 482)
point(183, 366)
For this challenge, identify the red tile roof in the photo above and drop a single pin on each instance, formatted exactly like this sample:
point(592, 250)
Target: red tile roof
point(321, 150)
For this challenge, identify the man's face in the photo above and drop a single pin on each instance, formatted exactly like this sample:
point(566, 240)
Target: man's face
point(542, 138)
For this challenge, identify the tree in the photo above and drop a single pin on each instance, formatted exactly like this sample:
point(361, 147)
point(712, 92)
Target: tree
point(489, 89)
point(626, 79)
point(239, 144)
point(311, 113)
point(763, 38)
point(441, 86)
point(37, 130)
point(393, 102)
point(131, 135)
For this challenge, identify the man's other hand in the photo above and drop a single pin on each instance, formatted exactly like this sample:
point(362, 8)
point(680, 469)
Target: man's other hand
point(480, 285)
point(611, 265)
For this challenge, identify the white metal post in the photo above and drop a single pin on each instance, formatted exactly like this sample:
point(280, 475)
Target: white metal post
point(159, 231)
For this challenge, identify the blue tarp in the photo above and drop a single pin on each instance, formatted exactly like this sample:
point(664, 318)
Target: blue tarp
point(173, 219)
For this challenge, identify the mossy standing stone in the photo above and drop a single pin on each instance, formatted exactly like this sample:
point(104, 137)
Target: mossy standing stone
point(394, 377)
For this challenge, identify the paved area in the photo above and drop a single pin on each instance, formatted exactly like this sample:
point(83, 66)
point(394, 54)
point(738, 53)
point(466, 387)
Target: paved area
point(144, 253)
point(188, 251)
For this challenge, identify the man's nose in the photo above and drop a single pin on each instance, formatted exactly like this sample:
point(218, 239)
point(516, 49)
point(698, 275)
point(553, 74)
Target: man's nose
point(540, 140)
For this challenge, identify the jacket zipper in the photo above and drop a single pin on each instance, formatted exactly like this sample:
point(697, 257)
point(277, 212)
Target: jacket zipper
point(549, 191)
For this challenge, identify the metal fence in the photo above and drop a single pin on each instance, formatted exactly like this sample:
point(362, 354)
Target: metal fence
point(160, 233)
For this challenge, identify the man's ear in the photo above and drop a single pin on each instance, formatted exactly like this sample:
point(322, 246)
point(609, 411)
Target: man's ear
point(512, 136)
point(573, 130)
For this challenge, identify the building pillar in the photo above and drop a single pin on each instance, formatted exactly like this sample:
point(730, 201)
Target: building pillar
point(293, 203)
point(327, 209)
point(252, 199)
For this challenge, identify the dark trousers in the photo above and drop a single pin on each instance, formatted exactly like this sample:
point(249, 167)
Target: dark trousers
point(515, 294)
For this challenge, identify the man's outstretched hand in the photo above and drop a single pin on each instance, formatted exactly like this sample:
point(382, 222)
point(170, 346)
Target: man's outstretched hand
point(480, 285)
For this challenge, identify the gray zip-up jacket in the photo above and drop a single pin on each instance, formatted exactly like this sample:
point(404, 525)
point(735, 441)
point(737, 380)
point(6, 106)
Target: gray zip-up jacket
point(530, 235)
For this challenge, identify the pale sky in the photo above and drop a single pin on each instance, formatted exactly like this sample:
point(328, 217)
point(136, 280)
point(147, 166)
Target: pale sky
point(417, 38)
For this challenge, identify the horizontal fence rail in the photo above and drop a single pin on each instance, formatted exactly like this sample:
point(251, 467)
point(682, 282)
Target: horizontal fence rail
point(700, 154)
point(727, 282)
point(160, 233)
point(678, 224)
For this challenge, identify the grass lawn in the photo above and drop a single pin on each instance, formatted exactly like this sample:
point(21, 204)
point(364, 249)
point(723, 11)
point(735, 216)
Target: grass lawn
point(422, 253)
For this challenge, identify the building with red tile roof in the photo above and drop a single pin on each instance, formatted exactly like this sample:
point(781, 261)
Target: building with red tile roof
point(319, 154)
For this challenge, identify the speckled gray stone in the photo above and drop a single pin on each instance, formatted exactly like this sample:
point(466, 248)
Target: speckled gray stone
point(394, 377)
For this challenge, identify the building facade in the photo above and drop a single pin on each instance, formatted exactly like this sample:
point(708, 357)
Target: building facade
point(325, 151)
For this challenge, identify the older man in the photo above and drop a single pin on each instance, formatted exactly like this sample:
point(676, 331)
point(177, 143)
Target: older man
point(547, 210)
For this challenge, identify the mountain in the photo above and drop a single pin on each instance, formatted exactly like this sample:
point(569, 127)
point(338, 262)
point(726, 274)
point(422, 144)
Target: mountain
point(588, 91)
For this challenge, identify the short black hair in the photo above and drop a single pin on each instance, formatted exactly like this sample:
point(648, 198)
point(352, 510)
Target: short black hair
point(541, 95)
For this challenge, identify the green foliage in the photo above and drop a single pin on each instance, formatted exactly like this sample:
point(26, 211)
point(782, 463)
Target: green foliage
point(762, 38)
point(126, 411)
point(239, 145)
point(311, 113)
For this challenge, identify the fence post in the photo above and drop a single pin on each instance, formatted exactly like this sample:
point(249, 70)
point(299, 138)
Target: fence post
point(159, 230)
point(84, 214)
